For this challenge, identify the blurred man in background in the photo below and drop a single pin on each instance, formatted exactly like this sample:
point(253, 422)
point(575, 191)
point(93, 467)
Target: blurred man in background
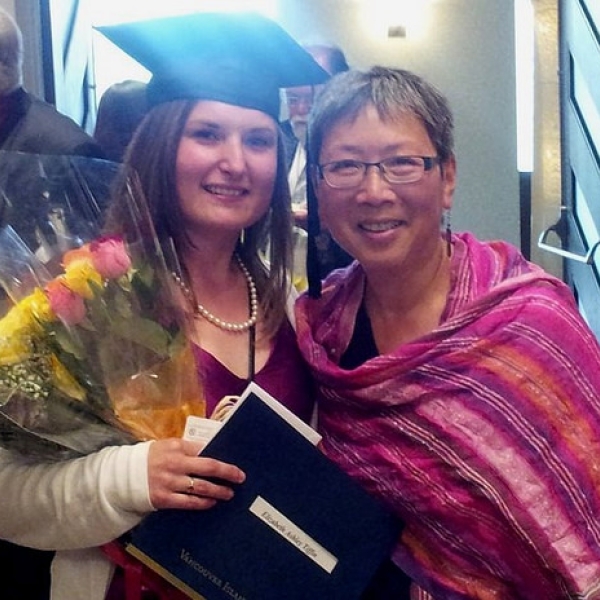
point(27, 124)
point(299, 103)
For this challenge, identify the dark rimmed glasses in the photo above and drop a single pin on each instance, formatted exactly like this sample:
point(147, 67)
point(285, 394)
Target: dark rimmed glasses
point(350, 173)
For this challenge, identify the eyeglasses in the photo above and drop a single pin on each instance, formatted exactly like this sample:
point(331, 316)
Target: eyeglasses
point(296, 98)
point(396, 169)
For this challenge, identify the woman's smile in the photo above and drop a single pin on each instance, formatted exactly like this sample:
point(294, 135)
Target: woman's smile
point(223, 190)
point(380, 226)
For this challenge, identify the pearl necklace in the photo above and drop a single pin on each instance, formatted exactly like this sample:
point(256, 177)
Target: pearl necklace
point(205, 313)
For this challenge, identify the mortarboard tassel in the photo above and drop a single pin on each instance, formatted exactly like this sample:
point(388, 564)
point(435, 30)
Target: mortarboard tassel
point(313, 270)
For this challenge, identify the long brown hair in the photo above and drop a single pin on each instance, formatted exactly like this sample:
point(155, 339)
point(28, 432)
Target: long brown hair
point(152, 156)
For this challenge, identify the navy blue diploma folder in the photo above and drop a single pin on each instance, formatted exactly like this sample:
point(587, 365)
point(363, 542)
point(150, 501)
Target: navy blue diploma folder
point(298, 528)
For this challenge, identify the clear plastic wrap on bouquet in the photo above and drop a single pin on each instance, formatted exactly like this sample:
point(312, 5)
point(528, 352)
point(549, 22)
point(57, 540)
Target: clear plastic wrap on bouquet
point(93, 350)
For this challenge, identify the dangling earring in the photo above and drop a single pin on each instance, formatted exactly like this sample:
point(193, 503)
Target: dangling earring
point(448, 232)
point(242, 237)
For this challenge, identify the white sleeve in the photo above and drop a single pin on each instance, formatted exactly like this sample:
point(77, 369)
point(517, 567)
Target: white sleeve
point(76, 503)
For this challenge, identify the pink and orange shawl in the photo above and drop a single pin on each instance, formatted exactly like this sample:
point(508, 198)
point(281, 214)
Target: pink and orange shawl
point(484, 436)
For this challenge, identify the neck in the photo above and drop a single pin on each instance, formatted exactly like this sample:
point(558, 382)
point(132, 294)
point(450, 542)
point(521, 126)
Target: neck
point(409, 286)
point(224, 297)
point(210, 265)
point(410, 302)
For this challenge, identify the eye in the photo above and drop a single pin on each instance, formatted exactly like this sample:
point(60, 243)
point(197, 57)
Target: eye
point(203, 134)
point(261, 141)
point(343, 166)
point(294, 100)
point(402, 161)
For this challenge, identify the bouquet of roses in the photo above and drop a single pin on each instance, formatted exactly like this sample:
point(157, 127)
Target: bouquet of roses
point(93, 350)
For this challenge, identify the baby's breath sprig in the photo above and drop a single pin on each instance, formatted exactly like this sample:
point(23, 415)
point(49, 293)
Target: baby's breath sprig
point(29, 377)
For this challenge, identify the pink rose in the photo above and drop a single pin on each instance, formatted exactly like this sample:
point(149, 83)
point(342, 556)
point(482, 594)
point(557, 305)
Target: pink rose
point(66, 305)
point(109, 257)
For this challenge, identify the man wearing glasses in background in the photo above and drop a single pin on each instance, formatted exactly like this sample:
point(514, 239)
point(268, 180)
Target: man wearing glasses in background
point(299, 102)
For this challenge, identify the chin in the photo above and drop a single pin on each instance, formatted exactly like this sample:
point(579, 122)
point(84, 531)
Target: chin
point(379, 260)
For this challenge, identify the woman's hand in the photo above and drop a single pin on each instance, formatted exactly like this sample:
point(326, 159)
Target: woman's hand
point(179, 478)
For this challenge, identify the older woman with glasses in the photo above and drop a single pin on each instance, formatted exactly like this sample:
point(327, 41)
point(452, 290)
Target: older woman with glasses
point(456, 380)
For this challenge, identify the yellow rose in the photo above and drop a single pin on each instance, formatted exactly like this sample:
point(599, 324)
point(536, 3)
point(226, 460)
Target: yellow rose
point(36, 308)
point(14, 320)
point(79, 274)
point(14, 349)
point(20, 323)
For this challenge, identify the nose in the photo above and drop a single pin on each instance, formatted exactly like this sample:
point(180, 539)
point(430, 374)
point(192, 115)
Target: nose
point(233, 159)
point(373, 186)
point(303, 106)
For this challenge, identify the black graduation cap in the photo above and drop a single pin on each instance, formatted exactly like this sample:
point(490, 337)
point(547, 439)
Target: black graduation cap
point(237, 58)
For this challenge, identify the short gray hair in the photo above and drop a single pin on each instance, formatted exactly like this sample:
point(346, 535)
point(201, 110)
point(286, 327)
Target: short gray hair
point(11, 54)
point(392, 92)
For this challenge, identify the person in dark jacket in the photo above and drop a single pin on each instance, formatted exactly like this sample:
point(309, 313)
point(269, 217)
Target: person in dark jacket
point(121, 109)
point(27, 123)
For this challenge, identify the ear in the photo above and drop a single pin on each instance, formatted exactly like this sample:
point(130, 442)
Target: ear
point(448, 181)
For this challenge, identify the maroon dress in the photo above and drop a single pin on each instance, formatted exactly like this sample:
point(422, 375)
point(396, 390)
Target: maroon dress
point(285, 376)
